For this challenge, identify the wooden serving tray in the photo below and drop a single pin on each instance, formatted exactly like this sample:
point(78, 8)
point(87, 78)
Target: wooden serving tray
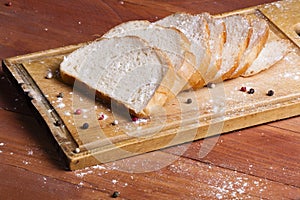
point(212, 111)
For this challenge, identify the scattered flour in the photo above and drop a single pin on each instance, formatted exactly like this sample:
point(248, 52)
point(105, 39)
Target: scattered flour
point(25, 162)
point(82, 174)
point(61, 105)
point(30, 152)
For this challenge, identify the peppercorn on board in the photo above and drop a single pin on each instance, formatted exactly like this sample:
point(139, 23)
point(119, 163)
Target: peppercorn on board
point(89, 132)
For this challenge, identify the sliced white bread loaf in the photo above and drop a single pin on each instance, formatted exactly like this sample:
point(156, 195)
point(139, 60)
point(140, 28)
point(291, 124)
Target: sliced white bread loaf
point(170, 40)
point(124, 69)
point(216, 43)
point(257, 41)
point(238, 33)
point(196, 29)
point(272, 52)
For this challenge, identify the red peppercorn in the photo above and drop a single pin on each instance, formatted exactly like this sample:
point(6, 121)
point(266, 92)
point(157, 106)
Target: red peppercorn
point(78, 111)
point(134, 119)
point(243, 89)
point(101, 117)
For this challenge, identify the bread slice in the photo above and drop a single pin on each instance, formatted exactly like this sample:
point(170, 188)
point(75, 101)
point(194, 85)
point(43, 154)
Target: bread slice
point(257, 41)
point(125, 69)
point(170, 40)
point(216, 43)
point(272, 52)
point(196, 29)
point(238, 33)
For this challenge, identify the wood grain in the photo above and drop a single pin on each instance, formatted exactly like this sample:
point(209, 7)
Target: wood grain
point(291, 124)
point(30, 167)
point(261, 147)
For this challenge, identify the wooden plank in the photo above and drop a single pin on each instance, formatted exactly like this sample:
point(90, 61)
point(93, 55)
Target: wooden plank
point(264, 151)
point(163, 8)
point(181, 178)
point(291, 124)
point(24, 152)
point(24, 140)
point(39, 186)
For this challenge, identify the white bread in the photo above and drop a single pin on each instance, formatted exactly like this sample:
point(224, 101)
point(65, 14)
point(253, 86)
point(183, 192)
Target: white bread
point(216, 43)
point(142, 65)
point(238, 33)
point(272, 52)
point(170, 40)
point(196, 29)
point(111, 67)
point(257, 41)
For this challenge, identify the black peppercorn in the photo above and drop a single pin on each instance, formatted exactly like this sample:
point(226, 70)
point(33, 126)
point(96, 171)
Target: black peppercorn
point(58, 123)
point(85, 126)
point(115, 194)
point(188, 101)
point(251, 91)
point(60, 95)
point(270, 93)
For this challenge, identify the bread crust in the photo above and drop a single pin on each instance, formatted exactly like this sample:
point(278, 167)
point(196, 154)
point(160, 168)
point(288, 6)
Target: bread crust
point(216, 61)
point(224, 74)
point(243, 47)
point(251, 54)
point(284, 47)
point(196, 73)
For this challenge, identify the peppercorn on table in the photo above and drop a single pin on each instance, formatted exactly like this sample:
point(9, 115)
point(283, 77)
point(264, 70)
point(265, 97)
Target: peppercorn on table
point(257, 162)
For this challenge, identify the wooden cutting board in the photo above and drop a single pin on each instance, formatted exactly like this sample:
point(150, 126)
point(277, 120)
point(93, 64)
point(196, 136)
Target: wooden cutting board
point(212, 111)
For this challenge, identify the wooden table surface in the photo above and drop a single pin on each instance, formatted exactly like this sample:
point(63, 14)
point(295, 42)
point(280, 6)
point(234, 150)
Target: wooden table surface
point(260, 162)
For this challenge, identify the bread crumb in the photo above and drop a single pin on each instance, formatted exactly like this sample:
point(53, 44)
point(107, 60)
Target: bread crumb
point(140, 120)
point(61, 105)
point(67, 113)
